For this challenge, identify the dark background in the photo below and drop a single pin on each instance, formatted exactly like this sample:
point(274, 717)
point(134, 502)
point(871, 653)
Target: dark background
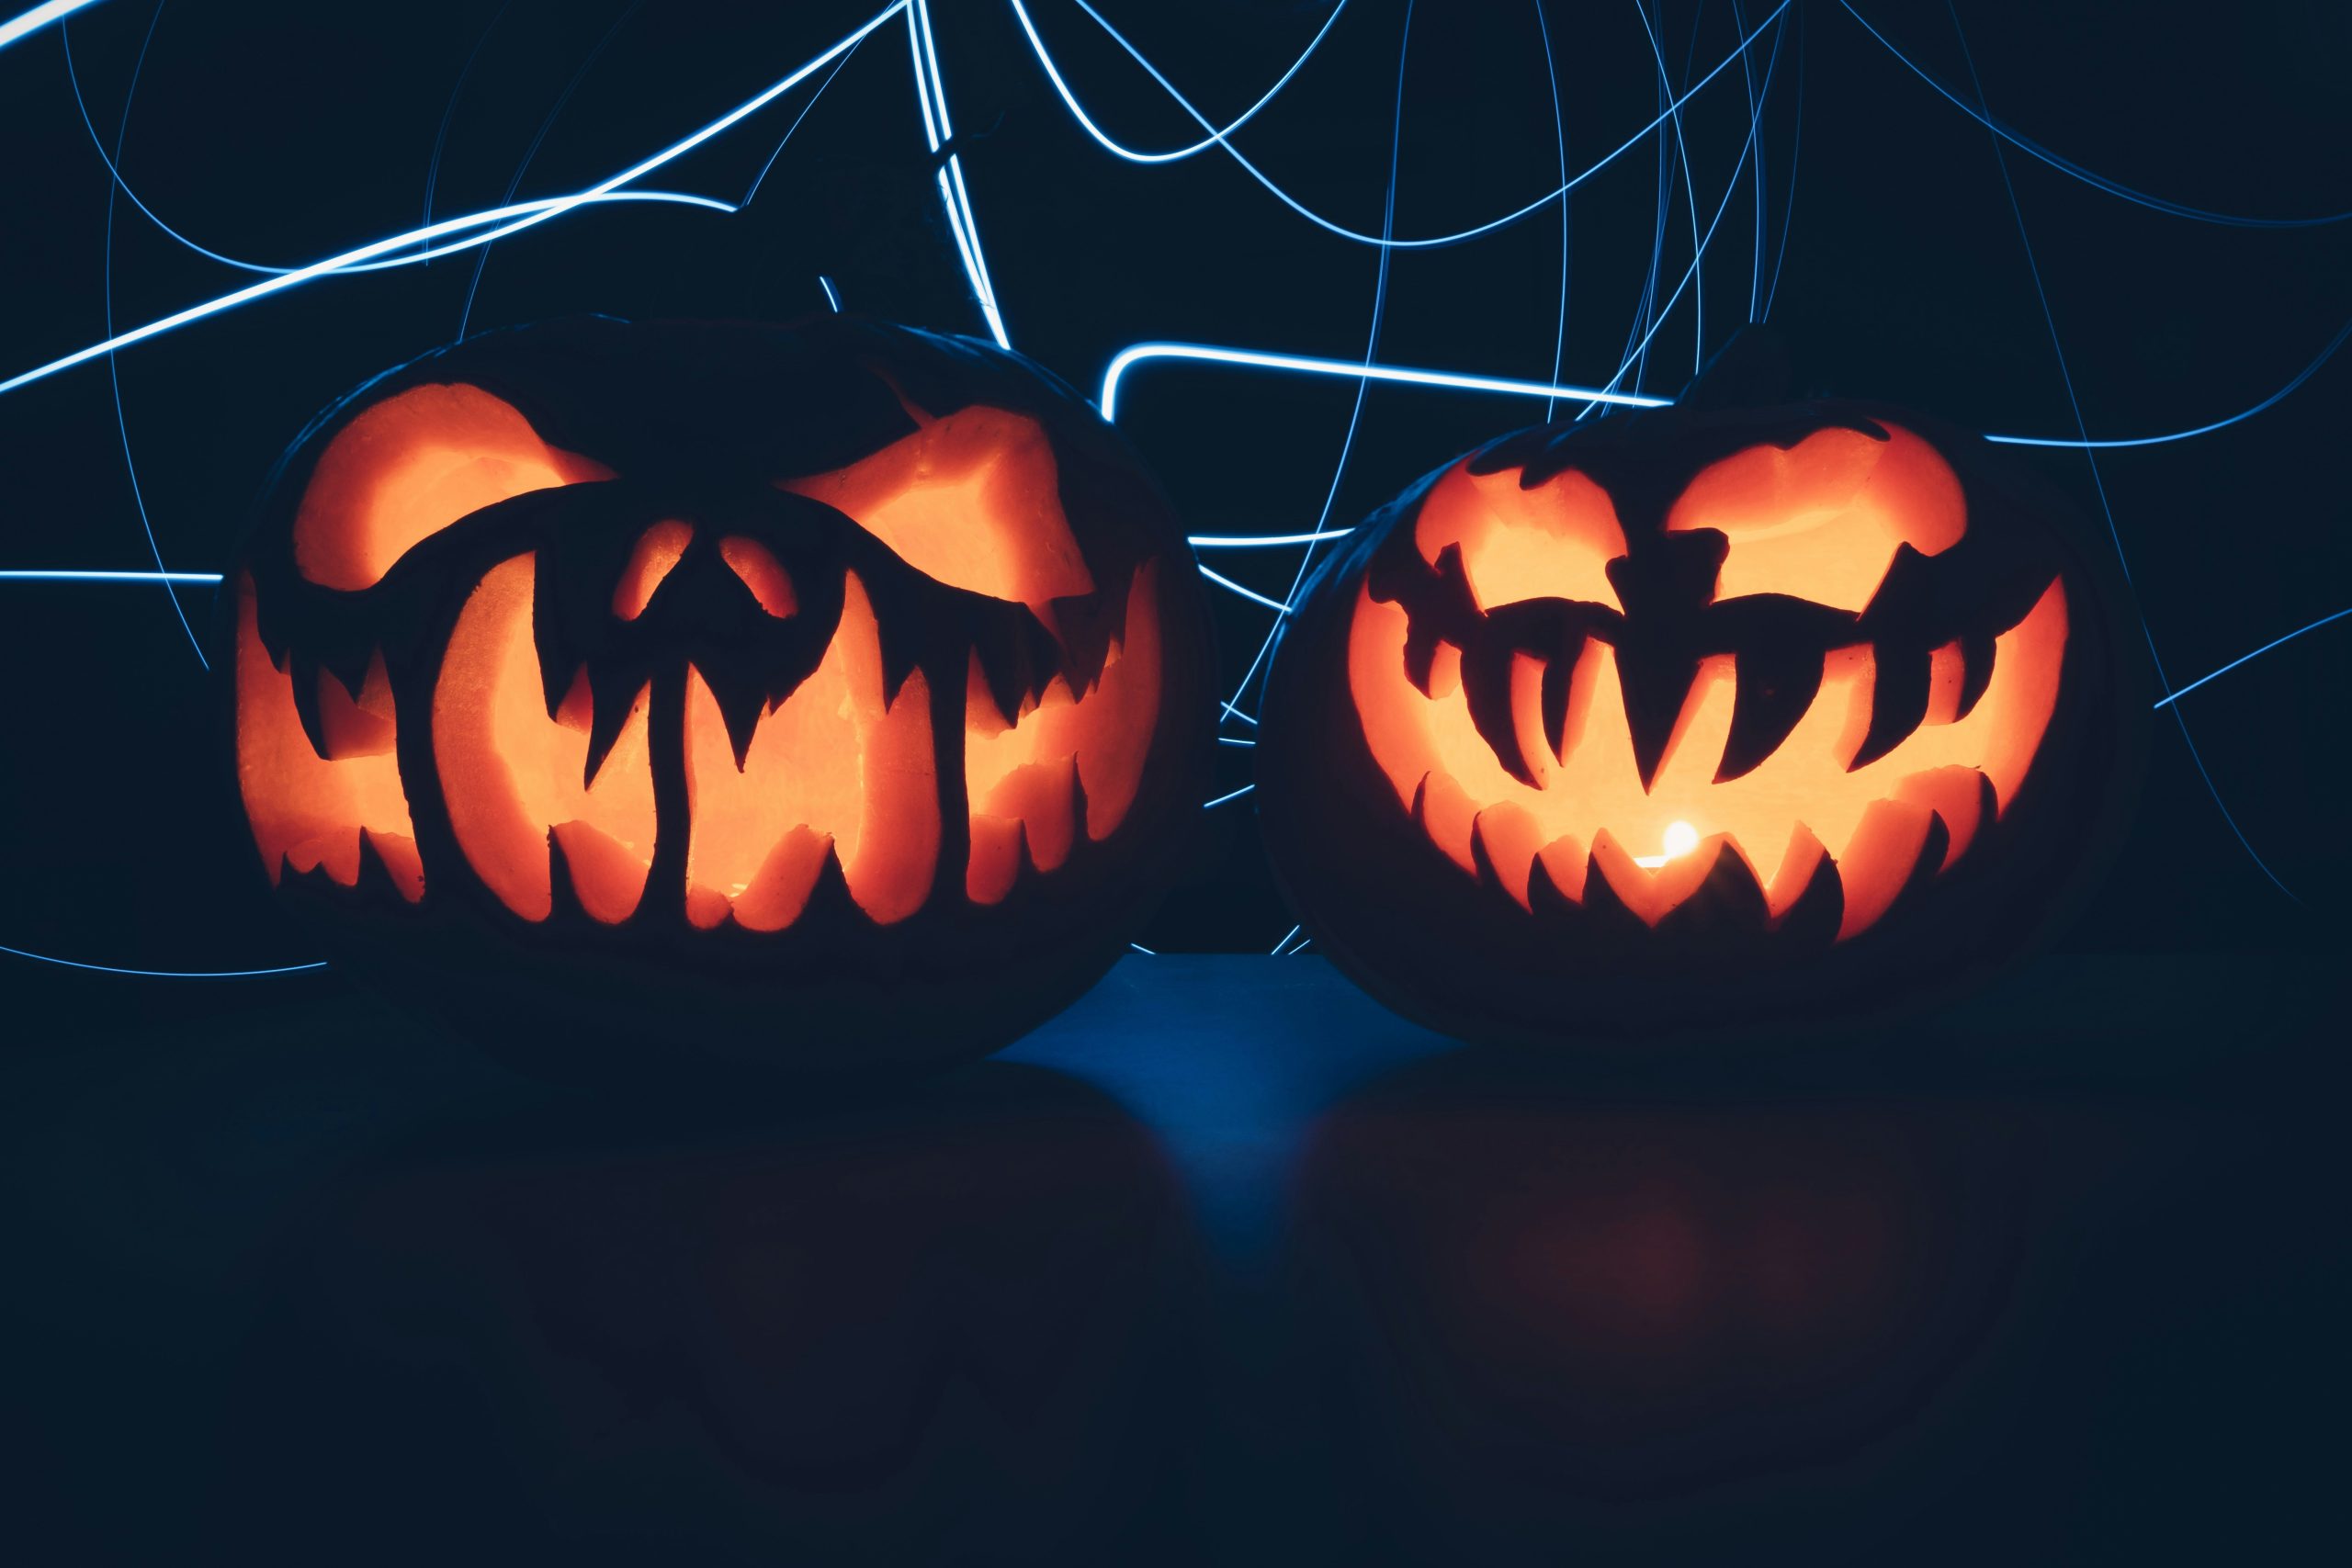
point(281, 133)
point(1226, 1263)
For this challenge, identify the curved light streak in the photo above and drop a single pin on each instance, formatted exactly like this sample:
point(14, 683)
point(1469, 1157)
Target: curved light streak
point(931, 93)
point(508, 220)
point(39, 17)
point(1179, 154)
point(1262, 541)
point(1134, 355)
point(1426, 242)
point(67, 575)
point(2273, 401)
point(2069, 167)
point(1276, 605)
point(160, 974)
point(2181, 692)
point(2099, 484)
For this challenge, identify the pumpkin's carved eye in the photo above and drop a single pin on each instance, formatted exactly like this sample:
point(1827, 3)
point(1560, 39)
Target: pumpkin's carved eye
point(1821, 521)
point(762, 573)
point(411, 466)
point(1553, 542)
point(970, 499)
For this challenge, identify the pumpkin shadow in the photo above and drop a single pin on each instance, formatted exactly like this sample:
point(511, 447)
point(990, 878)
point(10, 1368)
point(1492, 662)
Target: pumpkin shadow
point(1553, 1319)
point(902, 1324)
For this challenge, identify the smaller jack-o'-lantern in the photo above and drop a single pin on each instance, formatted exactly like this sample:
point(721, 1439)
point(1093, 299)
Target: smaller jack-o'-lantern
point(1693, 718)
point(833, 693)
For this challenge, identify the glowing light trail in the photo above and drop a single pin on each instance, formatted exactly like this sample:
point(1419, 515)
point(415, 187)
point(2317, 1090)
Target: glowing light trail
point(2184, 690)
point(1144, 353)
point(2068, 166)
point(2267, 404)
point(500, 221)
point(931, 93)
point(1429, 242)
point(39, 17)
point(161, 974)
point(1276, 605)
point(1205, 142)
point(66, 575)
point(1262, 541)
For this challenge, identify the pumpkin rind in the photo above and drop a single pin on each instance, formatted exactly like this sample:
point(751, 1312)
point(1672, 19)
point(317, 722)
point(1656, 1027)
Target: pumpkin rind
point(831, 696)
point(1694, 721)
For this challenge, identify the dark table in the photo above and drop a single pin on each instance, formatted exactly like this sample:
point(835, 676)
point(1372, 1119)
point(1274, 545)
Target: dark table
point(1224, 1264)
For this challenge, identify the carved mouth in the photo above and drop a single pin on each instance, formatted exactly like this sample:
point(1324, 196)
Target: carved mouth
point(1847, 784)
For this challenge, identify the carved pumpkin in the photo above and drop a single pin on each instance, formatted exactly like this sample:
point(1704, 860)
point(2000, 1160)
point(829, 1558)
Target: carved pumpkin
point(832, 692)
point(1689, 719)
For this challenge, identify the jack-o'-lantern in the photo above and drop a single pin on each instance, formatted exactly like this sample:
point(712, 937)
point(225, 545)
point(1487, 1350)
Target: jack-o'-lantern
point(832, 694)
point(1691, 719)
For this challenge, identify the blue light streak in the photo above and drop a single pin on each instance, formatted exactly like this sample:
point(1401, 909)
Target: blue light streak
point(1276, 605)
point(73, 575)
point(1220, 800)
point(39, 17)
point(2274, 642)
point(1262, 541)
point(931, 93)
point(1145, 353)
point(1205, 142)
point(2264, 406)
point(2067, 166)
point(832, 295)
point(499, 221)
point(2099, 484)
point(160, 974)
point(1086, 123)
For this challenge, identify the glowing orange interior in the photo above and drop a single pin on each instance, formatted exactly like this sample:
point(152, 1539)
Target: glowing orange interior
point(1821, 520)
point(1019, 778)
point(306, 810)
point(1654, 846)
point(410, 466)
point(762, 573)
point(512, 776)
point(658, 550)
point(1553, 542)
point(971, 501)
point(839, 764)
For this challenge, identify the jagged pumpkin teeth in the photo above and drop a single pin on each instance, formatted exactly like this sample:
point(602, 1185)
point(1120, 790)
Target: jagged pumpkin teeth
point(1663, 712)
point(879, 761)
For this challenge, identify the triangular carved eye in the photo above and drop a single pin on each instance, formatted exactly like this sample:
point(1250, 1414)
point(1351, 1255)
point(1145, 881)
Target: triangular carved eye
point(1821, 521)
point(411, 466)
point(971, 500)
point(1553, 542)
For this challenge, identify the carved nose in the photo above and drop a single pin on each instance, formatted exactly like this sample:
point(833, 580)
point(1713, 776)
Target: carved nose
point(1665, 586)
point(1670, 576)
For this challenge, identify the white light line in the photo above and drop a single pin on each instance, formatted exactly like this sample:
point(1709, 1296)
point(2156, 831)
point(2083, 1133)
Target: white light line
point(1276, 605)
point(61, 575)
point(1144, 353)
point(39, 17)
point(1221, 799)
point(512, 219)
point(1262, 541)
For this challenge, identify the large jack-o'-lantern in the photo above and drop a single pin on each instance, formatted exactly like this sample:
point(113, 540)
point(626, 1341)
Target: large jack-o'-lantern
point(1692, 719)
point(833, 693)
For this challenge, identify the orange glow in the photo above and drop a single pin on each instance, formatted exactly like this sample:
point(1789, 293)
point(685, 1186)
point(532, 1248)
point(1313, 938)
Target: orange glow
point(1821, 520)
point(512, 776)
point(306, 810)
point(658, 550)
point(762, 573)
point(1589, 809)
point(1019, 778)
point(972, 501)
point(1553, 542)
point(834, 765)
point(410, 466)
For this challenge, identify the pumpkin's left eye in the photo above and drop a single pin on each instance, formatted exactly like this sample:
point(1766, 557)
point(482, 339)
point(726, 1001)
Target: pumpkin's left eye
point(971, 500)
point(1822, 520)
point(1555, 541)
point(411, 466)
